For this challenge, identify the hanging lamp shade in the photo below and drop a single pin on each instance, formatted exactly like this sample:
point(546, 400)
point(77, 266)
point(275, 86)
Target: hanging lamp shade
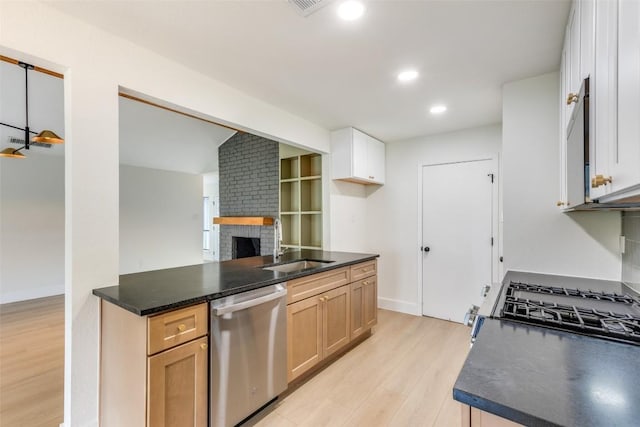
point(10, 152)
point(48, 137)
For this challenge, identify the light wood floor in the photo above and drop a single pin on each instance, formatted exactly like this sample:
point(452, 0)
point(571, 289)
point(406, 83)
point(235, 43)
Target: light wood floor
point(402, 375)
point(32, 363)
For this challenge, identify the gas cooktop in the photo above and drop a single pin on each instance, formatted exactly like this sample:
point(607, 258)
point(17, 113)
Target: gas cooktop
point(599, 314)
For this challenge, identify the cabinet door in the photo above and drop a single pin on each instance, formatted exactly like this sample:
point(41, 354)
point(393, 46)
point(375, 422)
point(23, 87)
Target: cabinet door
point(562, 200)
point(364, 305)
point(573, 35)
point(304, 336)
point(625, 153)
point(177, 386)
point(587, 8)
point(370, 302)
point(335, 319)
point(359, 154)
point(375, 161)
point(603, 103)
point(357, 308)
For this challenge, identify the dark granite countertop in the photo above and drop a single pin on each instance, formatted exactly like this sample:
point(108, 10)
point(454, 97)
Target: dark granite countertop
point(544, 377)
point(155, 291)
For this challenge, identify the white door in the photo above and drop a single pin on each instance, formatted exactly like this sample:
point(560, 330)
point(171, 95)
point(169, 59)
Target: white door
point(457, 236)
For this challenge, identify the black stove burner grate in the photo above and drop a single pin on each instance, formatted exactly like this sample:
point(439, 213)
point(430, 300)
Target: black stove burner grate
point(579, 317)
point(577, 293)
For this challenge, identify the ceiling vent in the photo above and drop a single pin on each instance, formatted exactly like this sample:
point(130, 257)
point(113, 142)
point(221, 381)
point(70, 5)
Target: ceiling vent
point(20, 141)
point(307, 7)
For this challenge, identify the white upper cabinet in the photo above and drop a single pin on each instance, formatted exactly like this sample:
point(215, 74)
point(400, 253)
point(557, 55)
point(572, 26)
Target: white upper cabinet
point(357, 157)
point(602, 42)
point(603, 102)
point(615, 151)
point(624, 154)
point(577, 63)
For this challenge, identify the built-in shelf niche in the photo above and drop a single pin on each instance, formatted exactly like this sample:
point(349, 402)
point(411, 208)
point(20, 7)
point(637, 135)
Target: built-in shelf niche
point(301, 201)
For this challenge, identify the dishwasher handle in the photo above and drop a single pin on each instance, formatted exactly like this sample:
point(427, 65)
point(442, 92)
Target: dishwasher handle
point(219, 311)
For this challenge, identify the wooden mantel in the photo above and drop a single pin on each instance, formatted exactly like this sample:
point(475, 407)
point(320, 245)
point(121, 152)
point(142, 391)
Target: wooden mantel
point(243, 220)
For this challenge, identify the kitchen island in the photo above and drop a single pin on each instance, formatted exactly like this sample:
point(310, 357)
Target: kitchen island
point(538, 376)
point(151, 292)
point(168, 357)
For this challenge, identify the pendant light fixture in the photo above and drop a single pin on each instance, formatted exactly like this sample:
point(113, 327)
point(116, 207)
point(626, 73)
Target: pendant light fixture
point(44, 137)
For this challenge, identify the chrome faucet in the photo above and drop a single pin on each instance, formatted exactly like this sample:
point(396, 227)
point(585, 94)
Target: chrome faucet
point(277, 237)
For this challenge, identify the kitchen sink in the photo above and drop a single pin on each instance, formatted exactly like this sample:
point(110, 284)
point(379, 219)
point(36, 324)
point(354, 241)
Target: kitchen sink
point(300, 265)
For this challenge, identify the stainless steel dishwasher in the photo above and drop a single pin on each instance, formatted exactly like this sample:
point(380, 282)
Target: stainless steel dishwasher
point(248, 353)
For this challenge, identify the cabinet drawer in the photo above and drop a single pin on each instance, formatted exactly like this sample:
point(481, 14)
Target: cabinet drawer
point(176, 327)
point(362, 270)
point(305, 287)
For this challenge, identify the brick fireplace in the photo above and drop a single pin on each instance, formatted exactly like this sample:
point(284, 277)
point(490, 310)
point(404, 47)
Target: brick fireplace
point(249, 186)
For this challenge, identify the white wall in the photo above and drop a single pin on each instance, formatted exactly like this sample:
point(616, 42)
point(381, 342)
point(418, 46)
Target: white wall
point(392, 210)
point(347, 216)
point(32, 227)
point(160, 219)
point(91, 149)
point(537, 236)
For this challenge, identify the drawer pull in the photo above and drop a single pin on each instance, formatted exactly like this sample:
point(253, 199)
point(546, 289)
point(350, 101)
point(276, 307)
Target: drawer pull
point(182, 327)
point(365, 282)
point(203, 346)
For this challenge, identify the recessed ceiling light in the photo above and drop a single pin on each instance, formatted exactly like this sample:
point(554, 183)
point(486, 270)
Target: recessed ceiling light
point(438, 109)
point(408, 75)
point(350, 10)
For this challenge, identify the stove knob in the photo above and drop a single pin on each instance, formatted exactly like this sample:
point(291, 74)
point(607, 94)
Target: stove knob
point(485, 290)
point(470, 315)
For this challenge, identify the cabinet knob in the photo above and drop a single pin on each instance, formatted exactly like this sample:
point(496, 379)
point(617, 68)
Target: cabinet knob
point(204, 346)
point(571, 98)
point(599, 180)
point(559, 203)
point(182, 327)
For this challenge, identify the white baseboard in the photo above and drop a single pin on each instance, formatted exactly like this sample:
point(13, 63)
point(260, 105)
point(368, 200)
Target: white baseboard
point(400, 306)
point(28, 294)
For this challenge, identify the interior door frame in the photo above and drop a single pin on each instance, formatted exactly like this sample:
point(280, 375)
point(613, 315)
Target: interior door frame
point(496, 250)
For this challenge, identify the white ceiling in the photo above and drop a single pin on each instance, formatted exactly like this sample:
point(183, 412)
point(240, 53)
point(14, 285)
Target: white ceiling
point(338, 73)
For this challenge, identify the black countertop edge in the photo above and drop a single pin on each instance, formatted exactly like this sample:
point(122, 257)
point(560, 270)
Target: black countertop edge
point(500, 410)
point(539, 376)
point(106, 293)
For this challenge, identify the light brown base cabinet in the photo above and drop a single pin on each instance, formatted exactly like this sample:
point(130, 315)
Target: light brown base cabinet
point(154, 370)
point(474, 417)
point(326, 311)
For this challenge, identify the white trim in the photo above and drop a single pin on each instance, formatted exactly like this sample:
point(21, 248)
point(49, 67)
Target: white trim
point(24, 295)
point(407, 307)
point(495, 212)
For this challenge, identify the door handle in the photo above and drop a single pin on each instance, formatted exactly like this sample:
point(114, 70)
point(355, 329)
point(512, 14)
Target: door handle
point(280, 292)
point(426, 248)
